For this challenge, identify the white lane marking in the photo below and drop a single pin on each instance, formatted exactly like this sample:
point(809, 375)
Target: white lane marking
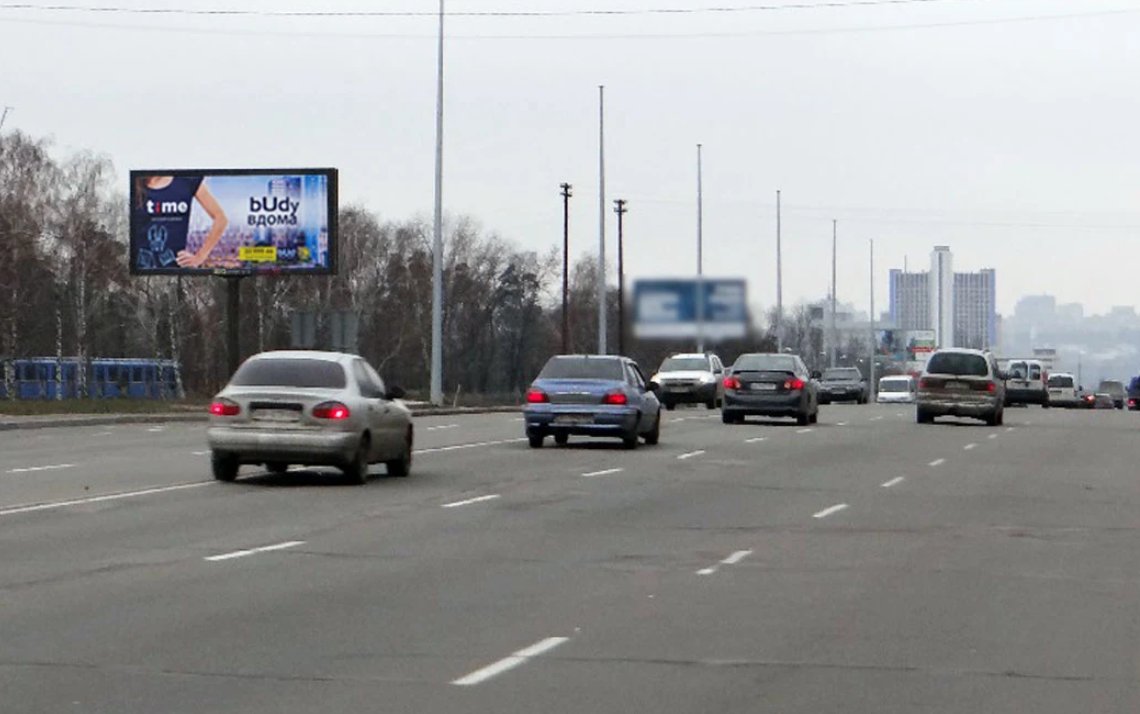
point(33, 469)
point(730, 560)
point(804, 431)
point(970, 447)
point(104, 433)
point(842, 423)
point(441, 427)
point(254, 551)
point(519, 419)
point(508, 663)
point(878, 418)
point(938, 462)
point(993, 436)
point(828, 511)
point(707, 571)
point(894, 482)
point(469, 501)
point(1009, 429)
point(755, 440)
point(899, 414)
point(99, 499)
point(155, 429)
point(200, 453)
point(605, 472)
point(476, 445)
point(691, 454)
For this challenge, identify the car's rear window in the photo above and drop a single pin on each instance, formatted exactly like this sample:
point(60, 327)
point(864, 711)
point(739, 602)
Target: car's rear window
point(894, 385)
point(764, 363)
point(582, 368)
point(958, 363)
point(301, 372)
point(835, 375)
point(1110, 386)
point(685, 364)
point(1061, 382)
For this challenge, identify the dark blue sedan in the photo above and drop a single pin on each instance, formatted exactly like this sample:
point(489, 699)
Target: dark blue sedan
point(592, 395)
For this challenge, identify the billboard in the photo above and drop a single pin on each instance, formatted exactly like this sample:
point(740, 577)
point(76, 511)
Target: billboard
point(667, 309)
point(205, 222)
point(905, 345)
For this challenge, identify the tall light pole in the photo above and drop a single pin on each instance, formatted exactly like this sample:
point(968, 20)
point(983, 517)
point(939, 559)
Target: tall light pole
point(437, 238)
point(779, 283)
point(566, 267)
point(871, 382)
point(834, 333)
point(700, 258)
point(601, 219)
point(620, 210)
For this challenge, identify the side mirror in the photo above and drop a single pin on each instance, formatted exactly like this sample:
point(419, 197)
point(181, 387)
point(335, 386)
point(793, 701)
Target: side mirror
point(816, 374)
point(395, 392)
point(653, 386)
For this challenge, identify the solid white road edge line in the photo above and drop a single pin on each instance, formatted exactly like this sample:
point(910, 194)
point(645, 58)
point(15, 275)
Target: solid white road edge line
point(938, 462)
point(828, 511)
point(476, 445)
point(508, 663)
point(99, 499)
point(32, 469)
point(894, 482)
point(605, 472)
point(469, 501)
point(691, 454)
point(253, 551)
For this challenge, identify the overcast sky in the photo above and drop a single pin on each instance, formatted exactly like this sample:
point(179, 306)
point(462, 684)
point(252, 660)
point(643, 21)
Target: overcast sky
point(1006, 129)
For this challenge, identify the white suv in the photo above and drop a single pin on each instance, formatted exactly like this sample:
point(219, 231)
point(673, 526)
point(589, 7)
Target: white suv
point(1063, 391)
point(1027, 383)
point(691, 379)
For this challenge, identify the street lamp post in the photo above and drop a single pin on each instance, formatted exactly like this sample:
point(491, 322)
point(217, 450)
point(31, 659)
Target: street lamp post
point(437, 237)
point(700, 258)
point(566, 268)
point(620, 210)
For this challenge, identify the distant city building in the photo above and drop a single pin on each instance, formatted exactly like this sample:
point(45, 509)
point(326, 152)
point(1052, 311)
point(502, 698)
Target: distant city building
point(961, 308)
point(1036, 309)
point(1071, 312)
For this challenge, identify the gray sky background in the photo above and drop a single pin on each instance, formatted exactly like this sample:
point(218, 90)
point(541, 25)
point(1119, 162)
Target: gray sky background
point(992, 126)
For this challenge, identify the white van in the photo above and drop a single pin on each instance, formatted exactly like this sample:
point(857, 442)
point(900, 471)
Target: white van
point(1063, 391)
point(1026, 383)
point(900, 389)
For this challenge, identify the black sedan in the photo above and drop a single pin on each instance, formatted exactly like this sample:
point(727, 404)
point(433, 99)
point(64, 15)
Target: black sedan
point(843, 384)
point(774, 385)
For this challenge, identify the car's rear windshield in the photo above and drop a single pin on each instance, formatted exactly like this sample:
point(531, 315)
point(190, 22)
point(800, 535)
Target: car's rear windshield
point(582, 368)
point(764, 363)
point(958, 363)
point(685, 364)
point(1110, 385)
point(1061, 381)
point(300, 372)
point(835, 375)
point(1018, 370)
point(894, 385)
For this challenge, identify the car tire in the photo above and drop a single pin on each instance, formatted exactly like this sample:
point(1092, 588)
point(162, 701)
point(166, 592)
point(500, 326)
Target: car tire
point(654, 435)
point(630, 440)
point(814, 418)
point(803, 419)
point(562, 439)
point(923, 417)
point(535, 440)
point(670, 405)
point(277, 468)
point(1000, 417)
point(711, 404)
point(224, 466)
point(357, 469)
point(403, 465)
point(728, 418)
point(993, 419)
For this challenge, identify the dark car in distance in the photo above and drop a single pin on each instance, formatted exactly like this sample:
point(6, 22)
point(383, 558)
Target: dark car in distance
point(774, 385)
point(1134, 394)
point(592, 395)
point(1115, 389)
point(843, 384)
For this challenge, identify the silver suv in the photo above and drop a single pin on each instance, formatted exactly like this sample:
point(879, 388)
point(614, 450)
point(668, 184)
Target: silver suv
point(691, 379)
point(961, 383)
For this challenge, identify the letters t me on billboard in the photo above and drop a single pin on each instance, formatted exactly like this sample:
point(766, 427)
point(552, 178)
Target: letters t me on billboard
point(667, 309)
point(240, 221)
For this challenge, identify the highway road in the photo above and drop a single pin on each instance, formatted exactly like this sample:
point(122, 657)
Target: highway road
point(866, 564)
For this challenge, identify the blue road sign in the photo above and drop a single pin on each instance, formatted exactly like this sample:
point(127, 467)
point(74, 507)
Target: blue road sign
point(667, 308)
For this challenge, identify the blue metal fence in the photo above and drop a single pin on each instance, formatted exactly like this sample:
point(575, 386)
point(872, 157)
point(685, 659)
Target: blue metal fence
point(104, 378)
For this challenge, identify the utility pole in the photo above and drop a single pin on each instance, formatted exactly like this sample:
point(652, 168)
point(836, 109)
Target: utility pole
point(566, 268)
point(437, 238)
point(834, 333)
point(779, 283)
point(601, 219)
point(871, 384)
point(620, 210)
point(4, 116)
point(700, 258)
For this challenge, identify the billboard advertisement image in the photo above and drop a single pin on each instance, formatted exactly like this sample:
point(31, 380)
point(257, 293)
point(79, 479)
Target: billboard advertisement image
point(905, 345)
point(667, 309)
point(233, 221)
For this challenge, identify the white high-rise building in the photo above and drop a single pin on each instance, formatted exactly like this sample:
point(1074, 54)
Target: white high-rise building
point(942, 296)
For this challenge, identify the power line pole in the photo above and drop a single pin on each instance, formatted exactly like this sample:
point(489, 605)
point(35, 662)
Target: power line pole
point(834, 333)
point(779, 283)
point(601, 219)
point(871, 322)
point(700, 258)
point(566, 268)
point(437, 238)
point(620, 210)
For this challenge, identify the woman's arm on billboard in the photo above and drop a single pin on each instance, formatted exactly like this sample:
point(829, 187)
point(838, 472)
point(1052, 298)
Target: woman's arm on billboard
point(186, 259)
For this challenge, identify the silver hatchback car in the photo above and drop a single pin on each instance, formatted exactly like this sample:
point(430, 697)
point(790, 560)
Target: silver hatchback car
point(961, 383)
point(310, 408)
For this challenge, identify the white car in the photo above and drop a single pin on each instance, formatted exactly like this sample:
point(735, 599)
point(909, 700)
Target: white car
point(1063, 391)
point(691, 379)
point(902, 389)
point(311, 408)
point(1026, 383)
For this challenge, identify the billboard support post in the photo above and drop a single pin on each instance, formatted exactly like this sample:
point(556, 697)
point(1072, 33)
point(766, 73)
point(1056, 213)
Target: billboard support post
point(233, 314)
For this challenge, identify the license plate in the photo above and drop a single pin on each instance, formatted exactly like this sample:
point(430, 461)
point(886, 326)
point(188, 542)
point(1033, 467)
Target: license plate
point(573, 419)
point(957, 386)
point(763, 387)
point(276, 415)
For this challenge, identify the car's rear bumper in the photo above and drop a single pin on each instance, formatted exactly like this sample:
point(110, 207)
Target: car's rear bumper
point(580, 420)
point(1025, 396)
point(845, 394)
point(738, 404)
point(893, 399)
point(306, 447)
point(976, 407)
point(694, 395)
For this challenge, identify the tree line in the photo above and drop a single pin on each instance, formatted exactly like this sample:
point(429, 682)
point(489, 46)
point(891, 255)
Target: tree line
point(65, 290)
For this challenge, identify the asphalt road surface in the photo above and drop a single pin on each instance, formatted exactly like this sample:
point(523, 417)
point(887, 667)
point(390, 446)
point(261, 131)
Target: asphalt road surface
point(866, 564)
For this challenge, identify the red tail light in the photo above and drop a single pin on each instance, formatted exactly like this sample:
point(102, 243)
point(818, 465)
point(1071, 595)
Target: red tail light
point(331, 410)
point(225, 407)
point(991, 387)
point(1131, 402)
point(536, 396)
point(615, 398)
point(924, 384)
point(794, 384)
point(731, 383)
